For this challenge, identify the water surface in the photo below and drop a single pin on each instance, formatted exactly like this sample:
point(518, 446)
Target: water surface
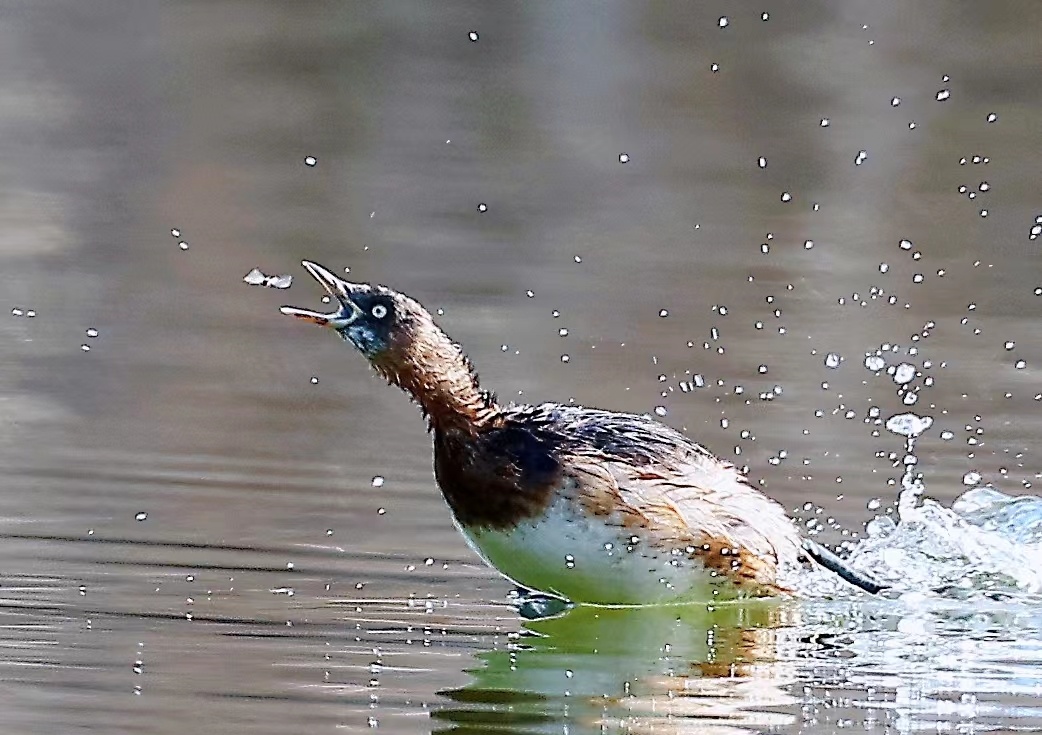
point(191, 532)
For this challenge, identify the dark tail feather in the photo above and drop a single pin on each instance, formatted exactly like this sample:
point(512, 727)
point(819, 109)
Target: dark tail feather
point(833, 563)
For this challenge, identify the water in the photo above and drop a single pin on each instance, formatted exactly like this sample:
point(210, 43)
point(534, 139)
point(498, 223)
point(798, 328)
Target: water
point(645, 209)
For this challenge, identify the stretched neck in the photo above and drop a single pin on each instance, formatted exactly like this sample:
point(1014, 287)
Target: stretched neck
point(434, 371)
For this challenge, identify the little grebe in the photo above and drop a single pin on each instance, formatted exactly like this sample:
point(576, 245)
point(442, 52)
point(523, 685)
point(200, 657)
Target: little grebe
point(589, 505)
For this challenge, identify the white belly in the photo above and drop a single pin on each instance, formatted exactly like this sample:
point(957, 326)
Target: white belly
point(590, 560)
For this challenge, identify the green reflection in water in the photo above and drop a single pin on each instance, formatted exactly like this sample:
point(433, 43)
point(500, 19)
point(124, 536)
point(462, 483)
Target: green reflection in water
point(634, 669)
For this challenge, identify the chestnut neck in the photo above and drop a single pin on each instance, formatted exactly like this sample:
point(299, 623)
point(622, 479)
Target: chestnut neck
point(425, 363)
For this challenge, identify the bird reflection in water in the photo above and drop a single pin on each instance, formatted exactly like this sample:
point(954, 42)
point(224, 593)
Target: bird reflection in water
point(675, 669)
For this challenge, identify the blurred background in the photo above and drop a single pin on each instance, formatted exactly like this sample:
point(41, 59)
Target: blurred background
point(215, 517)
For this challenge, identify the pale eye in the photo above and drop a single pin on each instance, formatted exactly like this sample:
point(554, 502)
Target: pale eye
point(379, 311)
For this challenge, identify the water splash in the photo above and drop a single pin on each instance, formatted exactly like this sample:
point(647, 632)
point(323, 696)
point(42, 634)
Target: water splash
point(985, 546)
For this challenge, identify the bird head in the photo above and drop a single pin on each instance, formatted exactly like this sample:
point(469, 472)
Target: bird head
point(377, 320)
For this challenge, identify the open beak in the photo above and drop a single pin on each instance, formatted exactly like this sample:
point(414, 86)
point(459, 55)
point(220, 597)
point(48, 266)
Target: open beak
point(336, 287)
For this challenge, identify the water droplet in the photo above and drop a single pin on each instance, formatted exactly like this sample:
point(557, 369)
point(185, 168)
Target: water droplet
point(943, 95)
point(825, 122)
point(381, 511)
point(833, 360)
point(883, 267)
point(1010, 345)
point(140, 516)
point(663, 313)
point(905, 244)
point(482, 207)
point(874, 504)
point(183, 245)
point(310, 160)
point(992, 117)
point(562, 332)
point(895, 101)
point(723, 22)
point(714, 68)
point(861, 157)
point(904, 373)
point(175, 232)
point(660, 410)
point(565, 358)
point(314, 380)
point(762, 369)
point(92, 332)
point(624, 158)
point(1020, 364)
point(473, 36)
point(378, 481)
point(85, 348)
point(578, 259)
point(765, 16)
point(786, 196)
point(808, 244)
point(971, 478)
point(761, 162)
point(908, 424)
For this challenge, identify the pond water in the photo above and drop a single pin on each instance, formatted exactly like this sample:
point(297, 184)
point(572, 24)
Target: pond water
point(776, 228)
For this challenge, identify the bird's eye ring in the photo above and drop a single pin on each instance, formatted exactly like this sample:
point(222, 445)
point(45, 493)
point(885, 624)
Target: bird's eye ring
point(379, 311)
